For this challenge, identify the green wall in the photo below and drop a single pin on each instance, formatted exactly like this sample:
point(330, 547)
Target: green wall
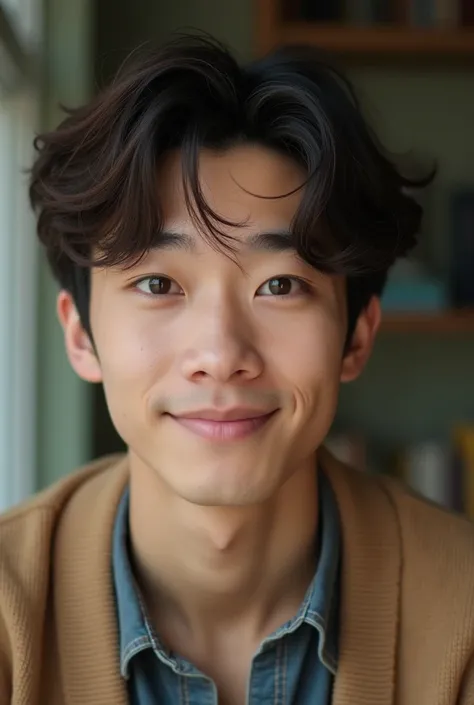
point(64, 433)
point(122, 26)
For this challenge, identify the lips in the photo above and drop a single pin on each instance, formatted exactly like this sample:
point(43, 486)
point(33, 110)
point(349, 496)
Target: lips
point(224, 425)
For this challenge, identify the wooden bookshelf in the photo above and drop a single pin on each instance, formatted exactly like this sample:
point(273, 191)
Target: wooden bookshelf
point(445, 323)
point(396, 41)
point(277, 23)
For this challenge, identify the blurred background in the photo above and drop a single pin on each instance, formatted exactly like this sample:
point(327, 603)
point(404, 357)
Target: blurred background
point(412, 62)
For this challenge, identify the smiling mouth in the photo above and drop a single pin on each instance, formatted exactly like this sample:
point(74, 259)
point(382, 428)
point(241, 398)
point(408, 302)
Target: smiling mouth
point(222, 429)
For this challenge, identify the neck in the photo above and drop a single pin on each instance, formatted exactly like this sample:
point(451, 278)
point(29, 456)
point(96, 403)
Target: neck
point(205, 568)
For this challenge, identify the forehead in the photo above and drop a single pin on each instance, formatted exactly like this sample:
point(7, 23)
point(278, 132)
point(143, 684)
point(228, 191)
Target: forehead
point(247, 185)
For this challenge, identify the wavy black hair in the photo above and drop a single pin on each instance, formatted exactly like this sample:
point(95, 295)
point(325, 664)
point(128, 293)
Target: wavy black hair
point(94, 180)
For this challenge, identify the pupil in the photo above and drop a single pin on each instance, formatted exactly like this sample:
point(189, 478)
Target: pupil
point(159, 285)
point(280, 286)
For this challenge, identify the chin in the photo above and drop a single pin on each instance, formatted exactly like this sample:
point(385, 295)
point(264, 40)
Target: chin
point(208, 475)
point(221, 497)
point(225, 487)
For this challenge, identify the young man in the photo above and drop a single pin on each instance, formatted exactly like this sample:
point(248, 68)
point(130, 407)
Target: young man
point(221, 235)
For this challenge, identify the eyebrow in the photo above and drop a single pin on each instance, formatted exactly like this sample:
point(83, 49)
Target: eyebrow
point(272, 241)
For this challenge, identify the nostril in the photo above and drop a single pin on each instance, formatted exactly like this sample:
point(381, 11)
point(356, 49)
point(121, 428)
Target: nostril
point(199, 375)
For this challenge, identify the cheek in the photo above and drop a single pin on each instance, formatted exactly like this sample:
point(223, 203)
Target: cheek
point(307, 349)
point(134, 357)
point(306, 357)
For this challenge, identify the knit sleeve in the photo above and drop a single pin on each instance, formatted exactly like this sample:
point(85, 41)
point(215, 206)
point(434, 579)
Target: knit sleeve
point(24, 576)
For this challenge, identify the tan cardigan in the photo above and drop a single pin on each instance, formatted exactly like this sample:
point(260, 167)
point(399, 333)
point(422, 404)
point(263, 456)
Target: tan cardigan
point(407, 611)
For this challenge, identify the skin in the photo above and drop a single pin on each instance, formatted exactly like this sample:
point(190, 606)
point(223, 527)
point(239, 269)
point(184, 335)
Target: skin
point(222, 530)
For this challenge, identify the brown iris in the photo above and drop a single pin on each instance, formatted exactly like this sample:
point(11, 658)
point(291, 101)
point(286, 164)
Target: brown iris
point(280, 286)
point(159, 285)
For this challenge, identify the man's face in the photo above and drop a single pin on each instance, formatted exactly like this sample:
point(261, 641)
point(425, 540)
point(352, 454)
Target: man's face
point(222, 373)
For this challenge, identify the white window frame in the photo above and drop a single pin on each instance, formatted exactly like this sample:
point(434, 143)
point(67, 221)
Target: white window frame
point(19, 118)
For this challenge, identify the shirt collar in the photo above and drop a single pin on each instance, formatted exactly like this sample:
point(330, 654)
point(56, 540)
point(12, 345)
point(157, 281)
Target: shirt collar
point(319, 607)
point(134, 632)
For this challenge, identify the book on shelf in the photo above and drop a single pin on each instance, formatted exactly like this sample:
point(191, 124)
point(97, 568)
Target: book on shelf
point(463, 438)
point(467, 13)
point(427, 468)
point(462, 248)
point(322, 10)
point(359, 13)
point(412, 287)
point(434, 13)
point(413, 13)
point(443, 472)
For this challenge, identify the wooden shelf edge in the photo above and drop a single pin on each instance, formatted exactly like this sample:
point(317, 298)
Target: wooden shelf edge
point(380, 39)
point(461, 321)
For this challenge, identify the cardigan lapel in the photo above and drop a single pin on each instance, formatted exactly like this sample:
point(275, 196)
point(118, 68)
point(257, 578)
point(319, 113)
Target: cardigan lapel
point(370, 584)
point(84, 599)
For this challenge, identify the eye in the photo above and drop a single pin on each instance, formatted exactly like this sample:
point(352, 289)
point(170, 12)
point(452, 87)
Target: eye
point(283, 286)
point(158, 286)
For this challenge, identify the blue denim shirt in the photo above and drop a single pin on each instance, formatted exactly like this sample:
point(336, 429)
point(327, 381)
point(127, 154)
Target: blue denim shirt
point(293, 666)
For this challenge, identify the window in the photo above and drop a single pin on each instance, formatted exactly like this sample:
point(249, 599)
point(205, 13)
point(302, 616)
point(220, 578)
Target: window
point(19, 35)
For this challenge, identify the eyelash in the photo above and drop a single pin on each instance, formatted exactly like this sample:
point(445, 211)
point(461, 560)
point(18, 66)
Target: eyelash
point(306, 286)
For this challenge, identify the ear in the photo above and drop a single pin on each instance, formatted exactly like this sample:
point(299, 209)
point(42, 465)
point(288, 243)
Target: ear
point(363, 338)
point(79, 347)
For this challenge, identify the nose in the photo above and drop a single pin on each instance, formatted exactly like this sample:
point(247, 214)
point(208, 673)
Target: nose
point(221, 346)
